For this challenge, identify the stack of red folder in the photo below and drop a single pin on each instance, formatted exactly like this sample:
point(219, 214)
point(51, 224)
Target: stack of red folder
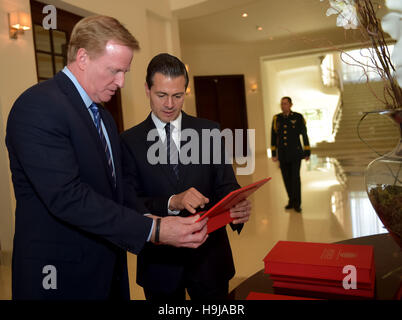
point(269, 296)
point(320, 268)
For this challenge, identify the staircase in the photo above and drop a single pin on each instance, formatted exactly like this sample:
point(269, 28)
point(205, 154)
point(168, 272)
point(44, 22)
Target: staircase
point(352, 154)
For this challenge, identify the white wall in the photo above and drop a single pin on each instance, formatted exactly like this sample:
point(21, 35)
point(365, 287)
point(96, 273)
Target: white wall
point(248, 59)
point(17, 65)
point(6, 203)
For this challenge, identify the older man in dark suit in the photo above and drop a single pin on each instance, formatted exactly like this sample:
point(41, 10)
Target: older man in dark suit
point(176, 188)
point(72, 231)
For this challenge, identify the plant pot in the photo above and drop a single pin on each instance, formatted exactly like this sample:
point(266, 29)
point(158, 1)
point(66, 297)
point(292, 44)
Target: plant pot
point(383, 179)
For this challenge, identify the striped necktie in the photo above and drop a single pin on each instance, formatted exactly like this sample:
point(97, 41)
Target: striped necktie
point(97, 120)
point(172, 151)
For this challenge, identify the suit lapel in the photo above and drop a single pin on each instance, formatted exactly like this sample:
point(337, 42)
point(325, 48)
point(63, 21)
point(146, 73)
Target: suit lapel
point(74, 97)
point(185, 124)
point(114, 143)
point(165, 169)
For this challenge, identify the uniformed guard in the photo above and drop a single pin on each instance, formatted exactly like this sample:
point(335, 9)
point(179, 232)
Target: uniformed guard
point(286, 147)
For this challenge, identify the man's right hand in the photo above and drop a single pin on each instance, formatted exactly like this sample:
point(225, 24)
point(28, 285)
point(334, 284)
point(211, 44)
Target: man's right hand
point(189, 200)
point(274, 159)
point(182, 232)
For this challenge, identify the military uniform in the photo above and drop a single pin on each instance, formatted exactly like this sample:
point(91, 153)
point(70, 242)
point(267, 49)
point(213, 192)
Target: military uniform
point(286, 145)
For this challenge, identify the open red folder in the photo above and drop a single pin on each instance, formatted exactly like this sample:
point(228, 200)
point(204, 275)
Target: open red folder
point(219, 214)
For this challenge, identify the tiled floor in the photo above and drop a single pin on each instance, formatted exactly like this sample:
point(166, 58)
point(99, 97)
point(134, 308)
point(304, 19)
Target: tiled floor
point(331, 212)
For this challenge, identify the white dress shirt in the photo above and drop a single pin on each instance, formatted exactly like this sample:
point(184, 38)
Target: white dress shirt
point(176, 133)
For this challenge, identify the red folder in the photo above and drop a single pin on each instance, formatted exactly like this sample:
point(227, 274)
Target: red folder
point(269, 296)
point(325, 282)
point(320, 261)
point(325, 289)
point(321, 282)
point(219, 214)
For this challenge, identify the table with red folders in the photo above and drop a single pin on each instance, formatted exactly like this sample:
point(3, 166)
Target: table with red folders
point(360, 268)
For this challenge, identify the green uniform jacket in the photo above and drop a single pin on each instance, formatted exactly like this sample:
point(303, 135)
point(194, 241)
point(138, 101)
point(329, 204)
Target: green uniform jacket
point(285, 137)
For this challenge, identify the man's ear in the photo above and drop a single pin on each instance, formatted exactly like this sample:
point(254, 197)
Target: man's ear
point(147, 89)
point(82, 58)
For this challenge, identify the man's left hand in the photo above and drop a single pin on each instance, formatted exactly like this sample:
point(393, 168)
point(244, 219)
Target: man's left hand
point(241, 212)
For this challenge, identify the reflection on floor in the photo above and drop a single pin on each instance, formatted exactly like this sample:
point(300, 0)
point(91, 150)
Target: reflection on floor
point(334, 208)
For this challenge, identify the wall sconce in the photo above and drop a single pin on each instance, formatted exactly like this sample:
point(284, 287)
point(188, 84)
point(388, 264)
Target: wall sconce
point(254, 87)
point(188, 90)
point(18, 23)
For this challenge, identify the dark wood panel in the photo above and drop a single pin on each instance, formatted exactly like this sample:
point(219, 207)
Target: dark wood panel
point(206, 98)
point(222, 99)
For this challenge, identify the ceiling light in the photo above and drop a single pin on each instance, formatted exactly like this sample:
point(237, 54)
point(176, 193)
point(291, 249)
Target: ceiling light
point(244, 15)
point(259, 28)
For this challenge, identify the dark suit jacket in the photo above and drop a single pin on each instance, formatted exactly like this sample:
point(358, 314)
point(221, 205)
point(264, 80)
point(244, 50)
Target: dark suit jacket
point(161, 267)
point(285, 137)
point(68, 213)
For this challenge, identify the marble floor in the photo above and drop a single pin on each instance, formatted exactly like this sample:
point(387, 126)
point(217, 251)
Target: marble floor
point(334, 209)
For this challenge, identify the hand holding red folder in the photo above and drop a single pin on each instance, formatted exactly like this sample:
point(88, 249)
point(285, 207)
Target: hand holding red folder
point(219, 214)
point(241, 212)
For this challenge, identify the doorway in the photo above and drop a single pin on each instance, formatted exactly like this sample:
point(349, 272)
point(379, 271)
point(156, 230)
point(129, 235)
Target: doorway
point(222, 99)
point(301, 78)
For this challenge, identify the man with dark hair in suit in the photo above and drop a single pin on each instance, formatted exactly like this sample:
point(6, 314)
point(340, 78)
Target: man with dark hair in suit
point(286, 147)
point(72, 230)
point(175, 188)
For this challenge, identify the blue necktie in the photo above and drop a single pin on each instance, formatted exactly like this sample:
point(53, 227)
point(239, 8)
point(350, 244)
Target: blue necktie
point(172, 151)
point(97, 119)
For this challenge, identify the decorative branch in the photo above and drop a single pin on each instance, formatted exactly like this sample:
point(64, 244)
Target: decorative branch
point(371, 30)
point(372, 35)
